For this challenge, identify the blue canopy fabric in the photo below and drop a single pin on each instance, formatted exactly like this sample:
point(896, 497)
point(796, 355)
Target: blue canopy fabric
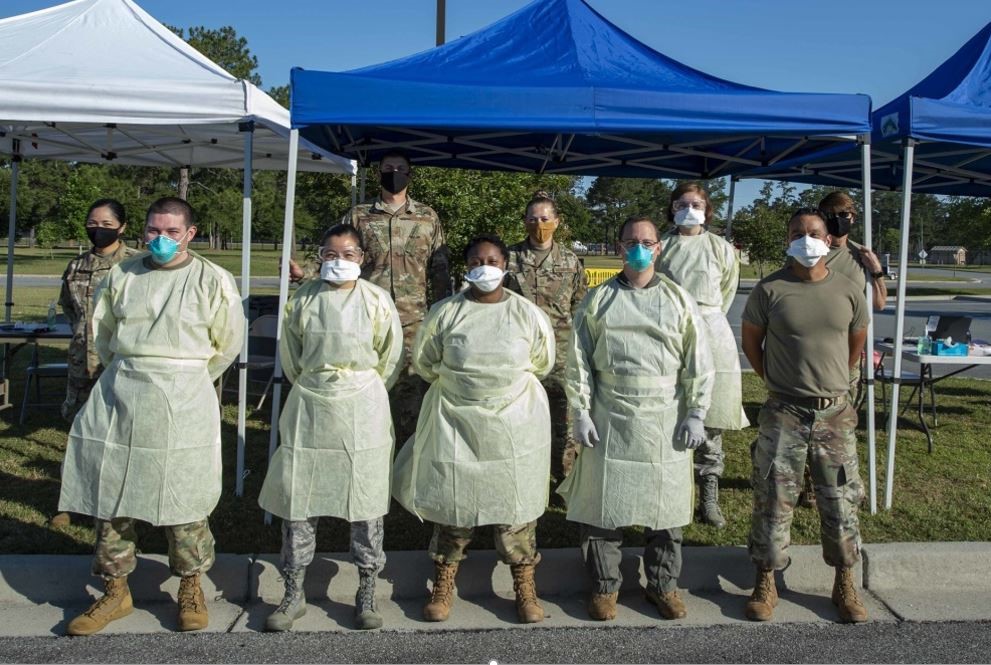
point(555, 87)
point(947, 114)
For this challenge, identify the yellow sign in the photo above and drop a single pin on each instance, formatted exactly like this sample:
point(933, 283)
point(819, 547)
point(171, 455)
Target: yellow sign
point(598, 275)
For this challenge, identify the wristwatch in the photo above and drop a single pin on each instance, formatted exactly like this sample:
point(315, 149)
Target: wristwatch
point(875, 275)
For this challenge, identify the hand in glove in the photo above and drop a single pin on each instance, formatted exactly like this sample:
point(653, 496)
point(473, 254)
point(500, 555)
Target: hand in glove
point(585, 429)
point(691, 430)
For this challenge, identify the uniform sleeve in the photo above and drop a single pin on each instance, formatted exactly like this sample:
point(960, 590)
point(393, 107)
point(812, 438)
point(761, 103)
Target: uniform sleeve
point(439, 269)
point(731, 275)
point(860, 313)
point(755, 311)
point(65, 298)
point(579, 384)
point(227, 328)
point(580, 287)
point(542, 341)
point(291, 340)
point(698, 374)
point(428, 346)
point(388, 342)
point(103, 324)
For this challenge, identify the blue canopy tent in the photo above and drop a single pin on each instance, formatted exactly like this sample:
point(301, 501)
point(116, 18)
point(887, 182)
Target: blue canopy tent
point(935, 138)
point(556, 88)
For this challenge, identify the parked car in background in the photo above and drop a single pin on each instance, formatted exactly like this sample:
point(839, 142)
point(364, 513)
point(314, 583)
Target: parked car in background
point(579, 248)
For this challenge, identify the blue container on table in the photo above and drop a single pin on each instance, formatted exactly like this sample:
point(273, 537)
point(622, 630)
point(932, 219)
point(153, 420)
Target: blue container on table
point(941, 348)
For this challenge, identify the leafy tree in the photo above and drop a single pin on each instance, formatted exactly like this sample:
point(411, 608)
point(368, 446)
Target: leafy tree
point(612, 200)
point(761, 228)
point(224, 47)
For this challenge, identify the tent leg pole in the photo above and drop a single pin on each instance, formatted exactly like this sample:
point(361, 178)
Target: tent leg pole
point(869, 347)
point(242, 365)
point(287, 235)
point(15, 167)
point(354, 190)
point(729, 207)
point(362, 179)
point(889, 478)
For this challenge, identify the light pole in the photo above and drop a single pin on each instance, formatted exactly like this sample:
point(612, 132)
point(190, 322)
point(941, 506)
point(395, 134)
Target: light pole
point(441, 20)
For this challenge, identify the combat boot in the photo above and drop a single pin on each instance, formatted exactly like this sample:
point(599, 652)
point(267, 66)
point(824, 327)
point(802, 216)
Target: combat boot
point(442, 596)
point(602, 606)
point(527, 604)
point(761, 604)
point(192, 605)
point(709, 501)
point(669, 603)
point(366, 614)
point(845, 597)
point(293, 604)
point(115, 603)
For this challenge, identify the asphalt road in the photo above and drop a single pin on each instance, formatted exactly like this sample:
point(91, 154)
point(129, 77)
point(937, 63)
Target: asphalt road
point(789, 643)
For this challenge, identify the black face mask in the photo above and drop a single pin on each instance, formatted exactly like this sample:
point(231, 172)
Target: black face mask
point(838, 226)
point(394, 181)
point(101, 237)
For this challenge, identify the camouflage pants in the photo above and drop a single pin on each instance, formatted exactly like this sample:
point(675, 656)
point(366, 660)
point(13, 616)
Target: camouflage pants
point(406, 395)
point(709, 456)
point(77, 389)
point(789, 434)
point(191, 548)
point(602, 554)
point(564, 448)
point(515, 544)
point(299, 543)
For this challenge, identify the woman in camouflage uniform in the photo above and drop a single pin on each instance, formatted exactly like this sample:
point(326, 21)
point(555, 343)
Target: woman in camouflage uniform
point(105, 224)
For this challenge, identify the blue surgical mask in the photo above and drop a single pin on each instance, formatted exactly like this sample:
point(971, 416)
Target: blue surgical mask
point(163, 249)
point(639, 257)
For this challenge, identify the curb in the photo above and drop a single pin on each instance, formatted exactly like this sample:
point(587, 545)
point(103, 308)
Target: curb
point(243, 578)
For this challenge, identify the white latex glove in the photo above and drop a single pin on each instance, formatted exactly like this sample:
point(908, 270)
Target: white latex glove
point(691, 430)
point(585, 429)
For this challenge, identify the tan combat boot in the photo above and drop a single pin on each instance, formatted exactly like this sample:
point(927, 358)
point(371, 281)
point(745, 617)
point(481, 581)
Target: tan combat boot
point(192, 605)
point(115, 603)
point(845, 597)
point(760, 606)
point(527, 604)
point(602, 606)
point(442, 597)
point(669, 603)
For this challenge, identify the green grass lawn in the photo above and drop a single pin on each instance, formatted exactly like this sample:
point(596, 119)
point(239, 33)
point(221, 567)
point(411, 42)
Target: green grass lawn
point(39, 261)
point(942, 496)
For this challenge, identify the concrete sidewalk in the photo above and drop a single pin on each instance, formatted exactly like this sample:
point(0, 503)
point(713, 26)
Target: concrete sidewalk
point(902, 582)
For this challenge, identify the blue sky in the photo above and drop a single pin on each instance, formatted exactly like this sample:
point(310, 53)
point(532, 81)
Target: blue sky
point(877, 47)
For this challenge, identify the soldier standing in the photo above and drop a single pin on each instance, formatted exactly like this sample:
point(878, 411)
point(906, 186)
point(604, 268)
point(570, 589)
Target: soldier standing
point(803, 329)
point(706, 266)
point(552, 277)
point(405, 254)
point(105, 224)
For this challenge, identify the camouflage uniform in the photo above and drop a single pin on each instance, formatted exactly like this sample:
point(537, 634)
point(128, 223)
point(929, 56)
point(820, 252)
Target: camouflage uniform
point(556, 282)
point(516, 544)
point(83, 274)
point(603, 556)
point(405, 254)
point(789, 432)
point(191, 548)
point(299, 543)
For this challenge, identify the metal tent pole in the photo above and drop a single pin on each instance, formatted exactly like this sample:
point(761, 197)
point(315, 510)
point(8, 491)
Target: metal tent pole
point(729, 207)
point(869, 347)
point(242, 365)
point(287, 235)
point(899, 320)
point(15, 166)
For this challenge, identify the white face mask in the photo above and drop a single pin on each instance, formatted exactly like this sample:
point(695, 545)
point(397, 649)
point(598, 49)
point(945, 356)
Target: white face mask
point(689, 217)
point(339, 271)
point(807, 250)
point(486, 278)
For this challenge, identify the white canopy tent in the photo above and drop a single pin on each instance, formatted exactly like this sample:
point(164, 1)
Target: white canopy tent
point(103, 81)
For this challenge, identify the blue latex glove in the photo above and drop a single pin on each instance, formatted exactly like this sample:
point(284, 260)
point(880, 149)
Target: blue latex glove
point(585, 428)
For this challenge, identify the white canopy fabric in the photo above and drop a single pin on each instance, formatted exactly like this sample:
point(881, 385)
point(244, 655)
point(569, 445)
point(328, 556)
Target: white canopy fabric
point(103, 81)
